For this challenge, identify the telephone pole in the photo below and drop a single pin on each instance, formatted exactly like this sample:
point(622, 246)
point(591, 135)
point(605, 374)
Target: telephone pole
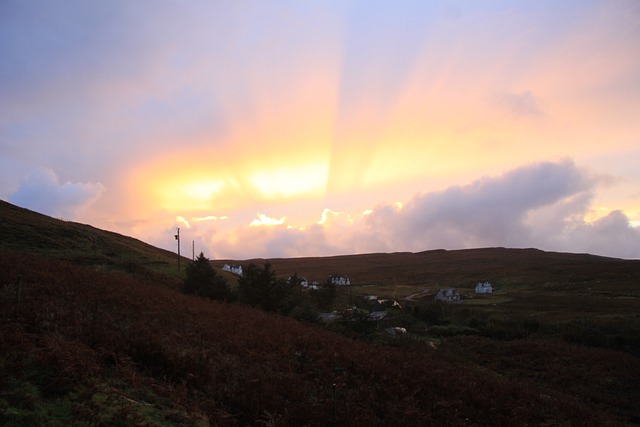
point(178, 239)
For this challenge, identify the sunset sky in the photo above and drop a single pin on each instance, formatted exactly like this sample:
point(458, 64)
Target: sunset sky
point(309, 128)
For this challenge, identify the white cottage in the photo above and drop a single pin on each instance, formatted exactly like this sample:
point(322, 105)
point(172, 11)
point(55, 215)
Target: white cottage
point(302, 281)
point(235, 269)
point(340, 280)
point(448, 294)
point(484, 288)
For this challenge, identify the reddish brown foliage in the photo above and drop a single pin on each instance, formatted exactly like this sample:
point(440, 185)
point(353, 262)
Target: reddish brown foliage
point(241, 366)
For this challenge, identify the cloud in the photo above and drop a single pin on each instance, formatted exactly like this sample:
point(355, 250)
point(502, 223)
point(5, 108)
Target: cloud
point(539, 205)
point(612, 235)
point(210, 218)
point(42, 191)
point(523, 104)
point(491, 211)
point(180, 220)
point(274, 242)
point(266, 220)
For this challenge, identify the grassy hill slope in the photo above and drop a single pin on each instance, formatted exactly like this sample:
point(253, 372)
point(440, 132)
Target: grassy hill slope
point(25, 230)
point(524, 267)
point(91, 348)
point(81, 343)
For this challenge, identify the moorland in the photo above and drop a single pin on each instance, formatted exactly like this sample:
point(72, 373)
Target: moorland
point(94, 330)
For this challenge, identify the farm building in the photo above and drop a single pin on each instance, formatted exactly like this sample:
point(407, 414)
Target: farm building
point(396, 331)
point(235, 269)
point(448, 294)
point(484, 288)
point(340, 280)
point(304, 283)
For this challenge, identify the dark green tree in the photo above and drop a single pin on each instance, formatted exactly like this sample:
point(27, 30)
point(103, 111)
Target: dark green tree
point(250, 291)
point(202, 279)
point(259, 287)
point(325, 295)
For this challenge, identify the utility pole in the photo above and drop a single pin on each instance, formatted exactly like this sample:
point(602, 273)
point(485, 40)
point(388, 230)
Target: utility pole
point(193, 250)
point(178, 239)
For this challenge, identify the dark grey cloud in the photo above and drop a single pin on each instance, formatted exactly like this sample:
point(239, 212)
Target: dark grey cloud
point(488, 212)
point(43, 192)
point(541, 205)
point(611, 235)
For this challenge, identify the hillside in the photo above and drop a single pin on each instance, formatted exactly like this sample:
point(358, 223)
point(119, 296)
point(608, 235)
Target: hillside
point(25, 230)
point(455, 267)
point(528, 282)
point(82, 343)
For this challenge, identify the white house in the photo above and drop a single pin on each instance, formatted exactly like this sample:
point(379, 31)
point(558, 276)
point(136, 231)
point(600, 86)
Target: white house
point(304, 283)
point(397, 330)
point(484, 288)
point(448, 294)
point(340, 280)
point(235, 269)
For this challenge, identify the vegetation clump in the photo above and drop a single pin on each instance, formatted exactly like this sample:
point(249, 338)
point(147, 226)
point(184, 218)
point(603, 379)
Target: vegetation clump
point(202, 279)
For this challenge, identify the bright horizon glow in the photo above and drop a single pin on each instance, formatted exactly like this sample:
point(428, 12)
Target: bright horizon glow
point(296, 180)
point(293, 129)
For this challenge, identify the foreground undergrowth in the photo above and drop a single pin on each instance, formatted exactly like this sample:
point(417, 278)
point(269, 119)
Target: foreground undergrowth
point(85, 347)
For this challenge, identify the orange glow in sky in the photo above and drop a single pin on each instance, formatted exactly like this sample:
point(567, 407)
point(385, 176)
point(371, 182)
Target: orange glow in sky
point(296, 128)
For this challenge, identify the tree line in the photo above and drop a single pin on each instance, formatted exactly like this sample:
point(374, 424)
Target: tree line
point(261, 288)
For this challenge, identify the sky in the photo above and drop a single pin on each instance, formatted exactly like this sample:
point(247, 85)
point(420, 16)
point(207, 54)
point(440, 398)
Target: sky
point(314, 128)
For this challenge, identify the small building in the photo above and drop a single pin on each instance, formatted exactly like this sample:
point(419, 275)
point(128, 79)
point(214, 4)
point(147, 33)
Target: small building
point(376, 315)
point(396, 330)
point(302, 281)
point(329, 317)
point(448, 295)
point(389, 303)
point(484, 288)
point(340, 280)
point(235, 269)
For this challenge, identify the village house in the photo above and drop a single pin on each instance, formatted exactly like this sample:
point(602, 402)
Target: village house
point(376, 315)
point(235, 269)
point(484, 288)
point(448, 295)
point(389, 303)
point(397, 330)
point(302, 281)
point(340, 280)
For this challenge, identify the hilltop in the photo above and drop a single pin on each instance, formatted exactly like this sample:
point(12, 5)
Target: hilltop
point(455, 267)
point(94, 332)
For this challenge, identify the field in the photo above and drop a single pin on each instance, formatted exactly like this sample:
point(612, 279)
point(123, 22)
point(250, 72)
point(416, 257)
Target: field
point(590, 298)
point(98, 334)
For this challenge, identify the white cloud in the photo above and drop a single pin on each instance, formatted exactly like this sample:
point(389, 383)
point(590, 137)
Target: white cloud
point(266, 220)
point(540, 205)
point(42, 191)
point(180, 220)
point(210, 218)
